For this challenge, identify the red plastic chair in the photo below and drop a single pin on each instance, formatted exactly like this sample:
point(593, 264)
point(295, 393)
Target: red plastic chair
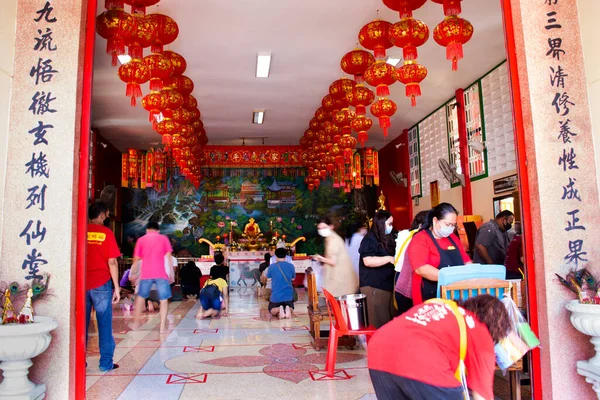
point(337, 329)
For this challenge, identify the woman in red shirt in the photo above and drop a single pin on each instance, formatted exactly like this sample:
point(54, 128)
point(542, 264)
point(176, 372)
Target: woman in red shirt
point(416, 355)
point(433, 248)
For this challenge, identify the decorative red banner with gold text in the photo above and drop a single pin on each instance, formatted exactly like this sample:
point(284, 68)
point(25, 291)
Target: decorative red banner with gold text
point(253, 156)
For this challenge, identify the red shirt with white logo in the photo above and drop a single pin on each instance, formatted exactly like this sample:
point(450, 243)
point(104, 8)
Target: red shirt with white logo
point(101, 246)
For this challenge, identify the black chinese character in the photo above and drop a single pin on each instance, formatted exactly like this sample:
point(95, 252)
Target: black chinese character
point(37, 196)
point(565, 131)
point(44, 41)
point(45, 13)
point(38, 166)
point(552, 21)
point(571, 225)
point(40, 103)
point(567, 160)
point(562, 101)
point(575, 252)
point(39, 132)
point(38, 232)
point(569, 191)
point(43, 71)
point(557, 78)
point(33, 262)
point(555, 49)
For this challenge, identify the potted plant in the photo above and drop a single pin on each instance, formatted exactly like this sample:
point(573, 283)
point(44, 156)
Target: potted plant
point(23, 336)
point(585, 317)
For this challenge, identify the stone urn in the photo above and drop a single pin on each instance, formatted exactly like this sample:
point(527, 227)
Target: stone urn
point(586, 319)
point(19, 343)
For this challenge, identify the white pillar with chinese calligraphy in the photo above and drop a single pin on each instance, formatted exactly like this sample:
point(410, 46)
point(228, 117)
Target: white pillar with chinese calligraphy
point(562, 178)
point(38, 231)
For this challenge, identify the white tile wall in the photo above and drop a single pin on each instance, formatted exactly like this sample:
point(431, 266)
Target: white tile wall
point(498, 116)
point(433, 135)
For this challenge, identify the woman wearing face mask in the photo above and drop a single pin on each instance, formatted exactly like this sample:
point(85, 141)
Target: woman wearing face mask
point(339, 277)
point(376, 268)
point(433, 248)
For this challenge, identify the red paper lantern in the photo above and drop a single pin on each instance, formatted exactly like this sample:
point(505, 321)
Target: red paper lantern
point(356, 62)
point(304, 142)
point(328, 103)
point(409, 33)
point(198, 126)
point(192, 141)
point(115, 26)
point(167, 127)
point(452, 33)
point(411, 74)
point(134, 73)
point(186, 131)
point(332, 130)
point(189, 102)
point(347, 144)
point(177, 61)
point(140, 38)
point(374, 36)
point(203, 139)
point(360, 97)
point(154, 103)
point(404, 7)
point(182, 84)
point(165, 31)
point(314, 124)
point(381, 75)
point(321, 115)
point(139, 6)
point(194, 115)
point(383, 109)
point(178, 142)
point(173, 99)
point(339, 88)
point(361, 125)
point(343, 118)
point(340, 103)
point(179, 115)
point(451, 7)
point(160, 70)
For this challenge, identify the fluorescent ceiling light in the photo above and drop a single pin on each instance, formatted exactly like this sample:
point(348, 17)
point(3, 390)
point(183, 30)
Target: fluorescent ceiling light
point(258, 116)
point(393, 61)
point(263, 65)
point(124, 58)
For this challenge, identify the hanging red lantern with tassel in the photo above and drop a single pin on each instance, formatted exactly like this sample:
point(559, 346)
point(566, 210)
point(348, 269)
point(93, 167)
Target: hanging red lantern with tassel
point(408, 34)
point(167, 128)
point(165, 31)
point(314, 124)
point(189, 102)
point(321, 115)
point(139, 6)
point(356, 63)
point(203, 139)
point(383, 109)
point(198, 126)
point(178, 141)
point(343, 118)
point(339, 88)
point(160, 70)
point(360, 97)
point(154, 103)
point(452, 33)
point(134, 74)
point(328, 103)
point(381, 75)
point(347, 144)
point(404, 7)
point(451, 7)
point(361, 125)
point(186, 131)
point(412, 74)
point(310, 134)
point(182, 84)
point(115, 26)
point(177, 61)
point(179, 115)
point(173, 99)
point(140, 38)
point(194, 114)
point(374, 36)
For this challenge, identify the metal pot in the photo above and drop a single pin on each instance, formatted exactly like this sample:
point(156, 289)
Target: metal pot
point(354, 310)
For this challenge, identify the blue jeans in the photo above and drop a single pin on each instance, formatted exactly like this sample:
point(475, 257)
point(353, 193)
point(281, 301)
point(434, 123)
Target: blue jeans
point(162, 287)
point(101, 299)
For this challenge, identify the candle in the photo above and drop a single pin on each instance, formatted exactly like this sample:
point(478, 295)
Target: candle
point(283, 237)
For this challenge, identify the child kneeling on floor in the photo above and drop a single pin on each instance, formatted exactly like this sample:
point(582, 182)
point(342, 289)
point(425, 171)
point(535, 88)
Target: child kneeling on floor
point(214, 298)
point(282, 274)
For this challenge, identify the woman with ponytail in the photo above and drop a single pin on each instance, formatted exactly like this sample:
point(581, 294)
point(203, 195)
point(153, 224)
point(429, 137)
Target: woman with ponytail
point(433, 248)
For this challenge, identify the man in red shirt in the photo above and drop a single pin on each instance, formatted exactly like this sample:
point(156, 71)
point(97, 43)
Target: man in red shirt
point(102, 272)
point(416, 355)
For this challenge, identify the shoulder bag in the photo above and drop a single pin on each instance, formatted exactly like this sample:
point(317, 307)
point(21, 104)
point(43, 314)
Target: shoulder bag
point(289, 283)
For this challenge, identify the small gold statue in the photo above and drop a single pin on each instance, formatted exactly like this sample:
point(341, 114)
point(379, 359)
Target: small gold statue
point(252, 230)
point(381, 201)
point(8, 315)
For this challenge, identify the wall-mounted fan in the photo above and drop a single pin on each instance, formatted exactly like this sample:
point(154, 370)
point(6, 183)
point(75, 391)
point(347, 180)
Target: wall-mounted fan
point(398, 178)
point(450, 173)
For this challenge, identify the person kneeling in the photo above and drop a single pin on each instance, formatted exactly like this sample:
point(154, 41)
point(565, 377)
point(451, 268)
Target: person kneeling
point(214, 299)
point(282, 274)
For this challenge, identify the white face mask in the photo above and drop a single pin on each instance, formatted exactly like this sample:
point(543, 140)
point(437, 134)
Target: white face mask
point(388, 229)
point(324, 232)
point(445, 231)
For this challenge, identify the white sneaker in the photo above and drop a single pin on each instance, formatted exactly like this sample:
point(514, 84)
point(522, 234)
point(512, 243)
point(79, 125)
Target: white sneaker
point(281, 312)
point(288, 312)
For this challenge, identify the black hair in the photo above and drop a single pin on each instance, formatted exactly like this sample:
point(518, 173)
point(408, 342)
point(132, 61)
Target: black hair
point(418, 220)
point(280, 252)
point(440, 211)
point(267, 257)
point(504, 214)
point(153, 225)
point(324, 220)
point(95, 209)
point(378, 227)
point(219, 258)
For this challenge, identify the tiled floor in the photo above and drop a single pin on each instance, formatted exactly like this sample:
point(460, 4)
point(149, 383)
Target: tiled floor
point(244, 356)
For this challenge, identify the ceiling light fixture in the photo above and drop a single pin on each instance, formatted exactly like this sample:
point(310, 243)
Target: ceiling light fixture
point(124, 58)
point(392, 61)
point(263, 65)
point(258, 116)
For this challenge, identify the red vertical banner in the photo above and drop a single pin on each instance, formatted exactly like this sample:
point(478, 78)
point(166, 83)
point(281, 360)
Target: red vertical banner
point(375, 167)
point(133, 168)
point(143, 171)
point(356, 173)
point(150, 168)
point(464, 152)
point(125, 170)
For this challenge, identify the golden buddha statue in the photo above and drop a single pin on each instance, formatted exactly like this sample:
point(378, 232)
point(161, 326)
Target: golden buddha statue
point(252, 230)
point(381, 201)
